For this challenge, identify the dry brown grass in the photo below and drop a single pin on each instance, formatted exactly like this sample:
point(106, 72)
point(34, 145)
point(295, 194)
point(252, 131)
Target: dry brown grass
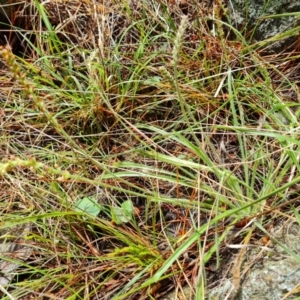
point(125, 101)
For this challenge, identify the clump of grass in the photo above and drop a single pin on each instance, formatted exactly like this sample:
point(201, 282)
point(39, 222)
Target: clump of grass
point(193, 134)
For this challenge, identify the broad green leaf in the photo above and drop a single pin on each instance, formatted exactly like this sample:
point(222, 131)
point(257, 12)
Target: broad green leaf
point(89, 205)
point(122, 214)
point(153, 80)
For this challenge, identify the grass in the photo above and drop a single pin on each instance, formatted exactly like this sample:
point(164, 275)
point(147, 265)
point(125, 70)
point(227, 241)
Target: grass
point(134, 144)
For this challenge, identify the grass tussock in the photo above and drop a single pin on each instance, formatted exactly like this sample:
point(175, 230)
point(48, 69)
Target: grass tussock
point(136, 140)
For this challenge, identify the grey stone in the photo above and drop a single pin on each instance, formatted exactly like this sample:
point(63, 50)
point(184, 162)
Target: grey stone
point(274, 271)
point(245, 15)
point(273, 281)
